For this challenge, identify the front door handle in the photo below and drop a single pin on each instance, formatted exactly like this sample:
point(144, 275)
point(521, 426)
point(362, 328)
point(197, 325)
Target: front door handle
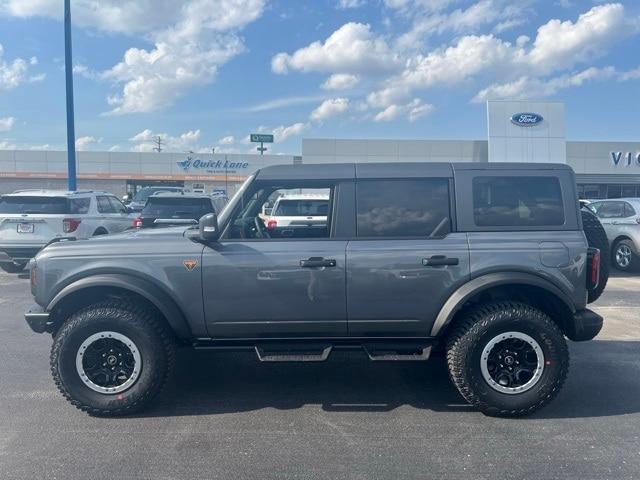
point(315, 262)
point(440, 261)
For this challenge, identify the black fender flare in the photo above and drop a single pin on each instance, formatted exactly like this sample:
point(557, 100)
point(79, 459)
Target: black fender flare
point(484, 282)
point(146, 289)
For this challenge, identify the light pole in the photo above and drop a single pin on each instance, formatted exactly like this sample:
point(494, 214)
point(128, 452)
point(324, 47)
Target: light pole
point(68, 68)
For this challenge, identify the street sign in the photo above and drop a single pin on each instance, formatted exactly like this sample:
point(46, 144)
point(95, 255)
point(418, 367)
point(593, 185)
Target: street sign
point(261, 138)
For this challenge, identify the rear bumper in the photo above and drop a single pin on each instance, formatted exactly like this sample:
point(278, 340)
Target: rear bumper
point(38, 319)
point(585, 326)
point(19, 253)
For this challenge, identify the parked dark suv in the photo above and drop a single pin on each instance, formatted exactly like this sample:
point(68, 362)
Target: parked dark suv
point(488, 261)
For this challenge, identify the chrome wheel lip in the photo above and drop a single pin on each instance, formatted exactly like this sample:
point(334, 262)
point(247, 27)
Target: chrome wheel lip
point(623, 255)
point(135, 351)
point(484, 365)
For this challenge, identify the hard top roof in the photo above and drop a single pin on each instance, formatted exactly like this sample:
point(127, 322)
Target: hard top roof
point(340, 171)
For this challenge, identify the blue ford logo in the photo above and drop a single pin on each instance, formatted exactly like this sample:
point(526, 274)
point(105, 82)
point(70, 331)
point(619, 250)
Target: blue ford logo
point(526, 119)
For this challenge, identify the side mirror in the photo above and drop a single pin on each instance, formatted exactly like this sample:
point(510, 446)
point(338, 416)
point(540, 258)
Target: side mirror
point(126, 199)
point(209, 227)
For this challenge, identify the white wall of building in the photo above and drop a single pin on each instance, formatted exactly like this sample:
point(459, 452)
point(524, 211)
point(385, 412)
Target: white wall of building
point(542, 143)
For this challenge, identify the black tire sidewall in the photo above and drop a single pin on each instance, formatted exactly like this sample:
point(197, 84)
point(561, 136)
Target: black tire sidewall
point(149, 344)
point(521, 401)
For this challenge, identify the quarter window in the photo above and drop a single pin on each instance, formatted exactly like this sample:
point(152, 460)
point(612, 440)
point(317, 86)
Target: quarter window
point(517, 201)
point(403, 208)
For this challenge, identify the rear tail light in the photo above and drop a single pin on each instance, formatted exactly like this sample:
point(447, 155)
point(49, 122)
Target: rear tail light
point(70, 225)
point(593, 274)
point(33, 275)
point(271, 224)
point(137, 223)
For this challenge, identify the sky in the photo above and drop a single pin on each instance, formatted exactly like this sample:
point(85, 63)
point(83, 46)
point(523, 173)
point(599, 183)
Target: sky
point(205, 74)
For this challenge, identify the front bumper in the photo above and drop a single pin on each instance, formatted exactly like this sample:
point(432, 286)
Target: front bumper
point(38, 319)
point(585, 326)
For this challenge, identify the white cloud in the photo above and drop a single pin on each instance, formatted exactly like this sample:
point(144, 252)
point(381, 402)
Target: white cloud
point(282, 132)
point(228, 140)
point(330, 108)
point(145, 141)
point(7, 123)
point(85, 143)
point(530, 87)
point(351, 49)
point(15, 72)
point(558, 46)
point(184, 55)
point(284, 102)
point(341, 81)
point(412, 110)
point(345, 4)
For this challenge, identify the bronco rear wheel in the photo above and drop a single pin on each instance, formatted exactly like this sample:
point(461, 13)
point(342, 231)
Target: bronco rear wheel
point(507, 358)
point(112, 358)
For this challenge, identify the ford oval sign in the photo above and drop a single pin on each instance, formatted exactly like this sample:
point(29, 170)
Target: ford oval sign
point(526, 119)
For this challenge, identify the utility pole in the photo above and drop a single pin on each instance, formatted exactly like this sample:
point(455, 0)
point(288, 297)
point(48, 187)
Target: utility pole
point(68, 68)
point(158, 142)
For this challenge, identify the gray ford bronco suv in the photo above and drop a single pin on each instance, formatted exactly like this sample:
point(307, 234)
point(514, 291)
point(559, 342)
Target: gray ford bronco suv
point(488, 263)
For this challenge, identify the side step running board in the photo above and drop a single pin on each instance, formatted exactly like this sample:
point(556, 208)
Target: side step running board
point(293, 357)
point(391, 356)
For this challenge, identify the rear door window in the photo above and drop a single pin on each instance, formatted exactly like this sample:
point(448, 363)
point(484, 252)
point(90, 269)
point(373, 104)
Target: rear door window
point(34, 205)
point(105, 206)
point(517, 202)
point(610, 209)
point(79, 206)
point(403, 208)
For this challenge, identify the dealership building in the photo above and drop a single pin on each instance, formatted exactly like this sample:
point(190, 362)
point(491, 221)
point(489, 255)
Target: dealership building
point(517, 131)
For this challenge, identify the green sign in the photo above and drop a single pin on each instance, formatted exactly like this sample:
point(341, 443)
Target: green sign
point(261, 138)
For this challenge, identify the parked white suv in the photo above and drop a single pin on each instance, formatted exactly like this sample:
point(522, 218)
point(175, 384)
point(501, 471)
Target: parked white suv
point(621, 220)
point(30, 219)
point(291, 210)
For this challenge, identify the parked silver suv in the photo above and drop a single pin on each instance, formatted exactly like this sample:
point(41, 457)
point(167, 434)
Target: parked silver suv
point(621, 220)
point(30, 219)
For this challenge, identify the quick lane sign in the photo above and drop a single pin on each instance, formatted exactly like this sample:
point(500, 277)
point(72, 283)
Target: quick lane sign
point(261, 138)
point(626, 159)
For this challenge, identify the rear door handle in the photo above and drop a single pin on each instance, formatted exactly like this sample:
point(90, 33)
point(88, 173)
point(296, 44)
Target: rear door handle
point(315, 262)
point(439, 261)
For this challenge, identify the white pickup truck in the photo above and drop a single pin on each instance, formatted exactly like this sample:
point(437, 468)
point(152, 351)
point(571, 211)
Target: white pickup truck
point(30, 219)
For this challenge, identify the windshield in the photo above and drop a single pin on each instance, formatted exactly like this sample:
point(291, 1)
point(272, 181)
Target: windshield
point(168, 207)
point(301, 208)
point(29, 204)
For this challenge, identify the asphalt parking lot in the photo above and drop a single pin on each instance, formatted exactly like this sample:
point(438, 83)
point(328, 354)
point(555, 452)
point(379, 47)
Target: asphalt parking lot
point(228, 416)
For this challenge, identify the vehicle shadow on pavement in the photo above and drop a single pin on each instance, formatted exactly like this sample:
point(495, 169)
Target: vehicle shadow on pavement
point(604, 380)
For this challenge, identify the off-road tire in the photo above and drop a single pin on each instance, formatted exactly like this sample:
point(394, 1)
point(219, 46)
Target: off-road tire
point(475, 329)
point(634, 260)
point(153, 338)
point(597, 238)
point(13, 267)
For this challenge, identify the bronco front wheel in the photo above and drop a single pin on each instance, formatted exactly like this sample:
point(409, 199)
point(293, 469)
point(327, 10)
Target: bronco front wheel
point(507, 358)
point(112, 358)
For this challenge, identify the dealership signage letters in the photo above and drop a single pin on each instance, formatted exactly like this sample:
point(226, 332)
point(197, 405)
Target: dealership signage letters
point(625, 159)
point(213, 166)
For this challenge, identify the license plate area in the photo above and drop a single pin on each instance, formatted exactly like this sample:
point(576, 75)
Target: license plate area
point(25, 228)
